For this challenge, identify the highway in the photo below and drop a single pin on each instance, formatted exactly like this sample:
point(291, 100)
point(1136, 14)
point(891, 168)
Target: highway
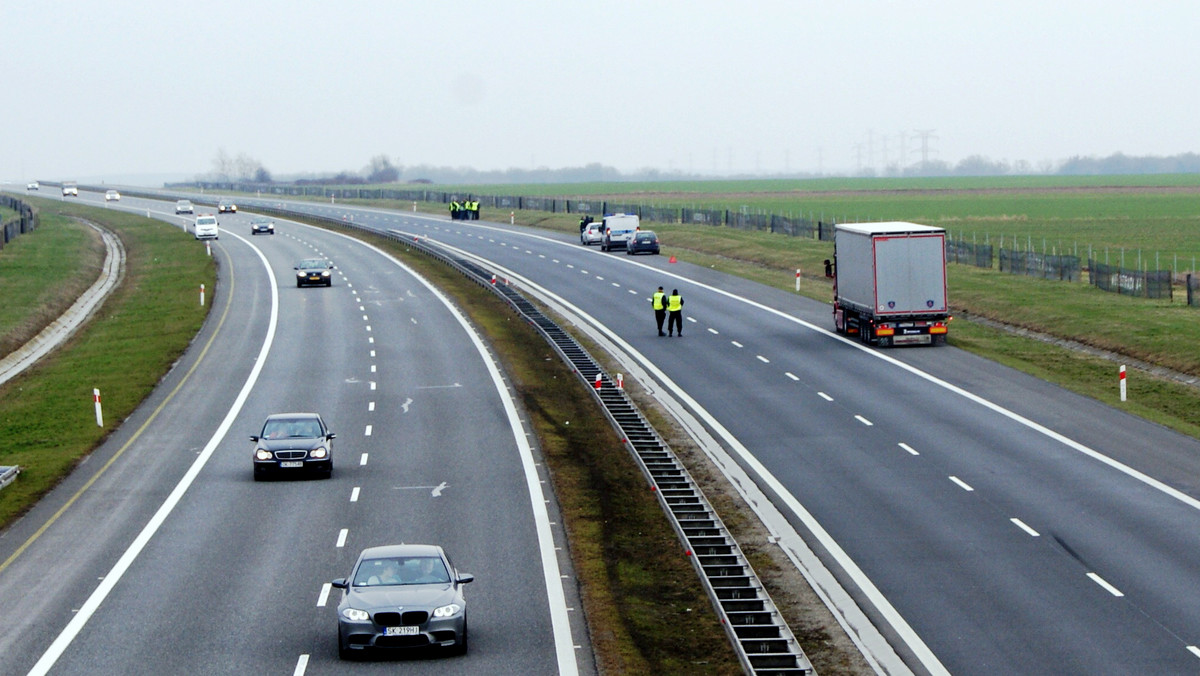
point(984, 519)
point(162, 555)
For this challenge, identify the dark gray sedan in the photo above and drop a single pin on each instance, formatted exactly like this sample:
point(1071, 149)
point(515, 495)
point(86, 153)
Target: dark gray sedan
point(402, 597)
point(314, 271)
point(293, 442)
point(642, 241)
point(262, 224)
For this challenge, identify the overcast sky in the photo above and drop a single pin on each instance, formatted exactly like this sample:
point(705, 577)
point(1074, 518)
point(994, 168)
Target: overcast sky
point(106, 91)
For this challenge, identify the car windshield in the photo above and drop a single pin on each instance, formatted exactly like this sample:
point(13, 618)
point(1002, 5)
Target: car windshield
point(401, 571)
point(291, 428)
point(312, 263)
point(184, 203)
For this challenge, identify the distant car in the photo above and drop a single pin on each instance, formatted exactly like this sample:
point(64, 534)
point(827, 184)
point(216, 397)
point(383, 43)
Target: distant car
point(206, 227)
point(33, 185)
point(184, 207)
point(402, 597)
point(262, 224)
point(618, 228)
point(70, 189)
point(314, 271)
point(293, 442)
point(593, 233)
point(643, 241)
point(112, 196)
point(226, 205)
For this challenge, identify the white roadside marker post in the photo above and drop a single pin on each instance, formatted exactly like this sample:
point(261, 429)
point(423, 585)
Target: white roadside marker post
point(1122, 382)
point(201, 295)
point(99, 415)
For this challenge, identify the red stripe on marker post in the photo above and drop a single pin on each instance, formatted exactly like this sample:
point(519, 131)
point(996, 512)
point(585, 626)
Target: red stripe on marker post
point(99, 416)
point(1122, 382)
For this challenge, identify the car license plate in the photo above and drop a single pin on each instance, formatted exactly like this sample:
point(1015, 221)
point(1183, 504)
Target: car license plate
point(291, 463)
point(401, 631)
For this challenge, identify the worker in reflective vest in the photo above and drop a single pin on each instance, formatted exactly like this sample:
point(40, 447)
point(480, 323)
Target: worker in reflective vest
point(454, 210)
point(675, 310)
point(659, 301)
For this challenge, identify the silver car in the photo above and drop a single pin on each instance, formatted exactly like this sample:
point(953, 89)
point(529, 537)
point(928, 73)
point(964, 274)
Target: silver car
point(402, 597)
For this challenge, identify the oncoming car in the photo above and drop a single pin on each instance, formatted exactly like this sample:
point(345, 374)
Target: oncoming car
point(70, 189)
point(262, 224)
point(315, 271)
point(112, 196)
point(184, 207)
point(293, 442)
point(206, 227)
point(402, 597)
point(226, 205)
point(643, 241)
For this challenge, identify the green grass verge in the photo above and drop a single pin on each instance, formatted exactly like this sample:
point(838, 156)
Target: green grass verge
point(42, 273)
point(47, 414)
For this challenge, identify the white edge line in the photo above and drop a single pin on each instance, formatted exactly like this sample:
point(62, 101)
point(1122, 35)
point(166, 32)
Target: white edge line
point(962, 484)
point(1025, 527)
point(110, 580)
point(1104, 583)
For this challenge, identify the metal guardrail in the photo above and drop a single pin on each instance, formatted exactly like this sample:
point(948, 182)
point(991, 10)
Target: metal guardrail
point(8, 474)
point(761, 637)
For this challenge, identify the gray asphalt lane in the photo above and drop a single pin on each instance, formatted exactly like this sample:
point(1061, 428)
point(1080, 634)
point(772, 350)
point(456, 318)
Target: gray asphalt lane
point(232, 580)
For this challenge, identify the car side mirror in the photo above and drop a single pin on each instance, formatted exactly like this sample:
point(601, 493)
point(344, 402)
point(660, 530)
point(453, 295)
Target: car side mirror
point(253, 437)
point(340, 583)
point(331, 436)
point(464, 578)
point(295, 267)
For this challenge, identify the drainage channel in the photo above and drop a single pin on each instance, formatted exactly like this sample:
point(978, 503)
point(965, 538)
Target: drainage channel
point(762, 639)
point(764, 642)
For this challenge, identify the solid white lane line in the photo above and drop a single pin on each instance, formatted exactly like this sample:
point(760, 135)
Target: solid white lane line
point(1021, 524)
point(908, 448)
point(1194, 650)
point(354, 494)
point(790, 375)
point(341, 541)
point(961, 484)
point(864, 421)
point(824, 396)
point(1103, 583)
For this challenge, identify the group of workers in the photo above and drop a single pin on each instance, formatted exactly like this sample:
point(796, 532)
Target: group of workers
point(464, 210)
point(669, 308)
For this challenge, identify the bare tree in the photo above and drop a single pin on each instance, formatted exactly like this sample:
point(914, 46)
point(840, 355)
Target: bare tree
point(381, 170)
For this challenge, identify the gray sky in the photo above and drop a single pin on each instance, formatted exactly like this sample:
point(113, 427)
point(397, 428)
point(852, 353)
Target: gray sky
point(105, 91)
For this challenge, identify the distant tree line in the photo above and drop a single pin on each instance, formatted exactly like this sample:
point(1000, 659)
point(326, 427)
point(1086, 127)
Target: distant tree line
point(382, 170)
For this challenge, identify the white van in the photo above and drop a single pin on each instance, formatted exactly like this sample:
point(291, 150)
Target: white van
point(618, 229)
point(206, 227)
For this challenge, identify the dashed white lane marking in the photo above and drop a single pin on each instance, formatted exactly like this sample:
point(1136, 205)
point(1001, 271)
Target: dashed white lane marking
point(366, 318)
point(354, 494)
point(762, 359)
point(908, 448)
point(824, 396)
point(1103, 583)
point(736, 344)
point(714, 332)
point(633, 292)
point(301, 665)
point(341, 541)
point(599, 278)
point(1022, 525)
point(373, 368)
point(372, 384)
point(371, 406)
point(1194, 650)
point(323, 597)
point(961, 484)
point(363, 460)
point(368, 431)
point(791, 375)
point(864, 421)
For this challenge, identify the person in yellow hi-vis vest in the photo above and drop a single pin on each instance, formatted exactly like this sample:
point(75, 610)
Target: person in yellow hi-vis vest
point(675, 310)
point(659, 301)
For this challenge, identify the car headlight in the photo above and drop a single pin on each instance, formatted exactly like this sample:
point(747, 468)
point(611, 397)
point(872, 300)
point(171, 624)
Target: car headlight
point(447, 611)
point(301, 273)
point(325, 274)
point(319, 453)
point(262, 454)
point(356, 615)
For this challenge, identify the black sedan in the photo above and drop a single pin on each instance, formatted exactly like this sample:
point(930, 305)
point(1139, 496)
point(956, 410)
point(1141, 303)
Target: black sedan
point(262, 225)
point(293, 442)
point(314, 271)
point(402, 597)
point(642, 241)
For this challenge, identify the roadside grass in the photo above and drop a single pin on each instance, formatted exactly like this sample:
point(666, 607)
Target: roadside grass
point(42, 273)
point(46, 414)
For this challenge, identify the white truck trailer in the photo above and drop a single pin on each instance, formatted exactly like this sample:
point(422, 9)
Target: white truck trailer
point(889, 285)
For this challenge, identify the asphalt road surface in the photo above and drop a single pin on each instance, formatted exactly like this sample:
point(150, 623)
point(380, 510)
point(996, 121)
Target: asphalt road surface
point(985, 520)
point(162, 555)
